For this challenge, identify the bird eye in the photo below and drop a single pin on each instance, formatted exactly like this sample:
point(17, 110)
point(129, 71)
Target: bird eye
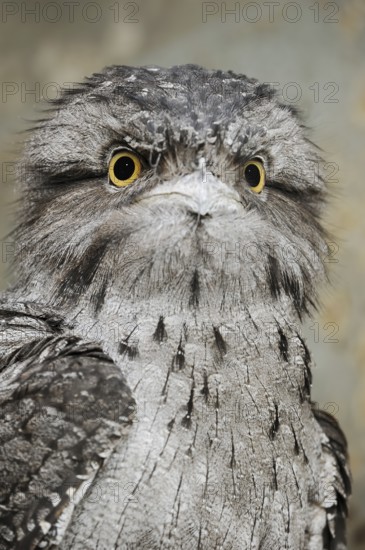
point(124, 168)
point(255, 176)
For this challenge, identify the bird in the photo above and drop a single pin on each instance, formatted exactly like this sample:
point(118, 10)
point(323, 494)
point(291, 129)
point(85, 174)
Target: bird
point(155, 383)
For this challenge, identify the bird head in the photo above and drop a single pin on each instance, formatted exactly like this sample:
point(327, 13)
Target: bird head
point(188, 183)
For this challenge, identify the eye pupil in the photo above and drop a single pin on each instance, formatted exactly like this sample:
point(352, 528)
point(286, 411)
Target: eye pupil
point(252, 175)
point(124, 168)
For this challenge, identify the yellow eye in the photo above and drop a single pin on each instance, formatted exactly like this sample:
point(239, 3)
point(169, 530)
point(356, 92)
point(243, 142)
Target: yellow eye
point(255, 176)
point(124, 168)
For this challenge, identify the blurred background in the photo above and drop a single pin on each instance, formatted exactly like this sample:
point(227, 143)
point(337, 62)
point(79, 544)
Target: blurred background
point(313, 52)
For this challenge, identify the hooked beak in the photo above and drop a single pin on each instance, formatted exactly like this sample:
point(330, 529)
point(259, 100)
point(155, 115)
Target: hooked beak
point(203, 194)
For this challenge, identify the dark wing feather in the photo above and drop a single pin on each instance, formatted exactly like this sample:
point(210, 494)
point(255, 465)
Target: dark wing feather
point(63, 406)
point(334, 535)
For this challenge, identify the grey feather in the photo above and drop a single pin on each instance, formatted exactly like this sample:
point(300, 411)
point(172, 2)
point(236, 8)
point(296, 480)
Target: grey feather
point(64, 404)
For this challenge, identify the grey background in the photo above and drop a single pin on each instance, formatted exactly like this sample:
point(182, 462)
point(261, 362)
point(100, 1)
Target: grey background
point(313, 51)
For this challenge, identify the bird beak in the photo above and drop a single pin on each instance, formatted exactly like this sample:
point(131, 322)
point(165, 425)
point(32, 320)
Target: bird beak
point(200, 192)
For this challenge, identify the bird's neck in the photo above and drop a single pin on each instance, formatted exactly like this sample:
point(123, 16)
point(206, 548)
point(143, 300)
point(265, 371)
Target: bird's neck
point(161, 320)
point(155, 344)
